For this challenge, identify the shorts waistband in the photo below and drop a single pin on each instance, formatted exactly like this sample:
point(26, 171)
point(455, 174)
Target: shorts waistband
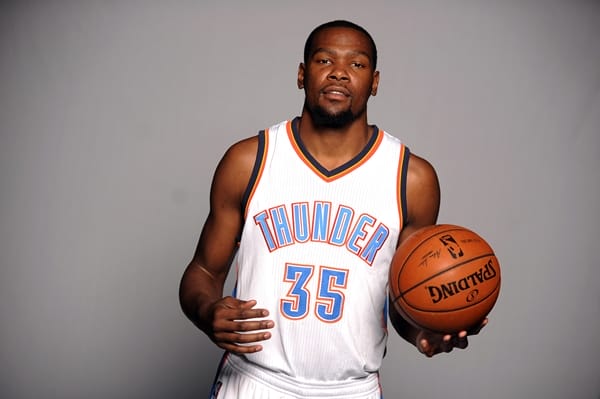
point(350, 389)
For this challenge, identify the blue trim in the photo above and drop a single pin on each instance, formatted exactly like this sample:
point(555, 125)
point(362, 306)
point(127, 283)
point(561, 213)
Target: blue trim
point(339, 169)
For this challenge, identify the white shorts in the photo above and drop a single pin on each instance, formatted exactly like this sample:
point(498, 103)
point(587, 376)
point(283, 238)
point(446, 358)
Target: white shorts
point(237, 379)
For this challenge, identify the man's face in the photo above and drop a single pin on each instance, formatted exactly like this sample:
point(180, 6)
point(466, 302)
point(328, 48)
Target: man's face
point(338, 77)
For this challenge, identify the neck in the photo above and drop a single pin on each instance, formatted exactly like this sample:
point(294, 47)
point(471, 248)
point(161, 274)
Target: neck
point(354, 127)
point(334, 146)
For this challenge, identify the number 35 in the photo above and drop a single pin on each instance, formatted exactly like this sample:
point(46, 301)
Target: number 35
point(329, 302)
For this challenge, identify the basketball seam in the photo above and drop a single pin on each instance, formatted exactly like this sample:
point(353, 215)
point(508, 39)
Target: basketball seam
point(402, 293)
point(492, 292)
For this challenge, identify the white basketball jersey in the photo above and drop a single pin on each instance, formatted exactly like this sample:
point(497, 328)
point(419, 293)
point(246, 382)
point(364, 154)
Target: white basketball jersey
point(315, 251)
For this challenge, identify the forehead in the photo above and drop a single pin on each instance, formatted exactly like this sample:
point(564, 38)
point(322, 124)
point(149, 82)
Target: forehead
point(342, 39)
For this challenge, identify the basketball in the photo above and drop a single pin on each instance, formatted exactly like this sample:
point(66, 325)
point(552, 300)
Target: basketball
point(444, 278)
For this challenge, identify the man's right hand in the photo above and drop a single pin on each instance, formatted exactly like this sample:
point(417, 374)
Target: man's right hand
point(236, 326)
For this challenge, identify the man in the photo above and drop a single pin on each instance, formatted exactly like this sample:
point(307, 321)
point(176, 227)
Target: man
point(317, 205)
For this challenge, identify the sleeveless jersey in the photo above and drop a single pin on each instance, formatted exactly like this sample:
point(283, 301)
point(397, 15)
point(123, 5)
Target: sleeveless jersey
point(315, 251)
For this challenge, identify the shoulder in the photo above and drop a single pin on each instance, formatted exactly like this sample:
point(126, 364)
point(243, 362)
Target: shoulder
point(239, 160)
point(246, 149)
point(242, 152)
point(240, 155)
point(234, 170)
point(419, 169)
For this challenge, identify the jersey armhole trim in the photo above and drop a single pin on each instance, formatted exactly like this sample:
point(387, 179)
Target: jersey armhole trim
point(402, 173)
point(259, 165)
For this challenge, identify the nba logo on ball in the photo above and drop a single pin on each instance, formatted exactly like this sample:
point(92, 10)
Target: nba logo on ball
point(444, 278)
point(451, 246)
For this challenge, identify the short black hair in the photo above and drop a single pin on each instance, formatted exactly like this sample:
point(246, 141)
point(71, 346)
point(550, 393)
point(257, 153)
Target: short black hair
point(339, 23)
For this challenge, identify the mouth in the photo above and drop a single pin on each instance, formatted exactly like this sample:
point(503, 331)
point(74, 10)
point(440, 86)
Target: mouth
point(335, 92)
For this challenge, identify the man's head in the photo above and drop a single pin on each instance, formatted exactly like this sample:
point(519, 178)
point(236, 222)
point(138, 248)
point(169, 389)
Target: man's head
point(338, 74)
point(339, 23)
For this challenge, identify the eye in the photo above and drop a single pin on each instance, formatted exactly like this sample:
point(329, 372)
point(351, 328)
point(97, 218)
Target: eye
point(358, 65)
point(324, 61)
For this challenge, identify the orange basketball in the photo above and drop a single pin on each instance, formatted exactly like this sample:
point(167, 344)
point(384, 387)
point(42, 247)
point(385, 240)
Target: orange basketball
point(444, 278)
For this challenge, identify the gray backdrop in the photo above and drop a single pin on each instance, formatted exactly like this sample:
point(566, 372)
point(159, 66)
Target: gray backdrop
point(113, 115)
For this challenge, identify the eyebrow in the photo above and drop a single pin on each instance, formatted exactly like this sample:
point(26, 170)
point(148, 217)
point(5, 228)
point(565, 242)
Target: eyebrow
point(334, 52)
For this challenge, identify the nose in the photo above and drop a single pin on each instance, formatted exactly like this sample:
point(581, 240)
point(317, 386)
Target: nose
point(338, 73)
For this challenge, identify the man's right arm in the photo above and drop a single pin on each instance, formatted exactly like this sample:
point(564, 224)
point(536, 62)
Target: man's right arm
point(223, 319)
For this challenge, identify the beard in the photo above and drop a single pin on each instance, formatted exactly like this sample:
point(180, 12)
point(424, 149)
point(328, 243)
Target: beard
point(323, 118)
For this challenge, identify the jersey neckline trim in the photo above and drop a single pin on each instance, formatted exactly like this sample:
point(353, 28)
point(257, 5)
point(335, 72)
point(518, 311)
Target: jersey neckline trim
point(342, 170)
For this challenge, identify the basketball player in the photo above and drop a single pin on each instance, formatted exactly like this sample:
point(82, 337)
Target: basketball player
point(309, 213)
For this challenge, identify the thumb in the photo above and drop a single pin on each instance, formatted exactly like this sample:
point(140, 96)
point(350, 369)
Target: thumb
point(235, 303)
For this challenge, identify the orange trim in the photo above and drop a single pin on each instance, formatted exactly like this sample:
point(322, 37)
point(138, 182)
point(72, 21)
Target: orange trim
point(296, 148)
point(399, 184)
point(260, 172)
point(364, 159)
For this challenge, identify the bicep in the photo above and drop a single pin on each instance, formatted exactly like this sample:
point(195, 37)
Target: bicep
point(422, 196)
point(221, 231)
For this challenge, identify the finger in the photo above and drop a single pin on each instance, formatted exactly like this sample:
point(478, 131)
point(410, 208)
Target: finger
point(239, 349)
point(425, 348)
point(245, 326)
point(241, 343)
point(461, 340)
point(475, 330)
point(236, 326)
point(428, 348)
point(447, 343)
point(249, 304)
point(252, 313)
point(241, 312)
point(234, 303)
point(242, 338)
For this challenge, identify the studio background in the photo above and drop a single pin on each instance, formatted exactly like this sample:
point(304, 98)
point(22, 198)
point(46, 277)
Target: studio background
point(113, 115)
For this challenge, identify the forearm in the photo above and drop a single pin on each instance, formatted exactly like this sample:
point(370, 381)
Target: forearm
point(403, 327)
point(199, 289)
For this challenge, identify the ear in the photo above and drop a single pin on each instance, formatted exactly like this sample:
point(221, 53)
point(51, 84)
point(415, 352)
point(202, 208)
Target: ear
point(300, 81)
point(375, 84)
